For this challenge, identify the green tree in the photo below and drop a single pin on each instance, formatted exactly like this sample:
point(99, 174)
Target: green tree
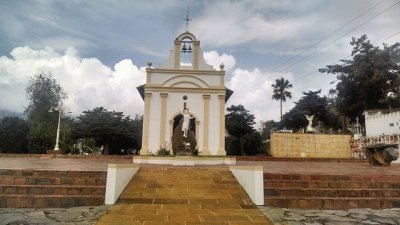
point(111, 129)
point(239, 121)
point(239, 124)
point(13, 135)
point(42, 92)
point(280, 91)
point(252, 143)
point(66, 142)
point(267, 127)
point(137, 125)
point(310, 104)
point(370, 80)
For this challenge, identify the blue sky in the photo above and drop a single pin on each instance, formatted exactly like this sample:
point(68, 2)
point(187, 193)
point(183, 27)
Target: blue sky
point(97, 50)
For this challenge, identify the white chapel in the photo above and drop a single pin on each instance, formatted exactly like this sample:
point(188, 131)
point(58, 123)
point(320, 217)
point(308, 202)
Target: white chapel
point(184, 81)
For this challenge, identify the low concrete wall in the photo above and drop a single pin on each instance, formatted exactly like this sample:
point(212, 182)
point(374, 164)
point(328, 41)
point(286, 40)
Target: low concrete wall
point(310, 145)
point(252, 180)
point(118, 176)
point(185, 160)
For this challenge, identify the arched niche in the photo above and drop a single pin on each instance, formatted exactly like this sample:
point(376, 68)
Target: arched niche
point(194, 123)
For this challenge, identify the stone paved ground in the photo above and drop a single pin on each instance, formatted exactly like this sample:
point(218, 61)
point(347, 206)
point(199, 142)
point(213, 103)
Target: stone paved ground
point(332, 217)
point(72, 216)
point(89, 215)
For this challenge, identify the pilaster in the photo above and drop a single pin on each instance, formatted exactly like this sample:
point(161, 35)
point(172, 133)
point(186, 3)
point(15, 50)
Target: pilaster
point(206, 102)
point(177, 54)
point(163, 118)
point(195, 56)
point(146, 117)
point(221, 149)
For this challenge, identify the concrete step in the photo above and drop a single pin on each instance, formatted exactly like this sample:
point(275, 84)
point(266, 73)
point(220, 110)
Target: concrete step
point(51, 173)
point(332, 184)
point(331, 191)
point(52, 190)
point(51, 177)
point(185, 185)
point(340, 193)
point(52, 201)
point(333, 177)
point(311, 202)
point(27, 180)
point(184, 195)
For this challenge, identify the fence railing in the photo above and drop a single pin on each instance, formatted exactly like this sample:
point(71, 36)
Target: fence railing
point(358, 144)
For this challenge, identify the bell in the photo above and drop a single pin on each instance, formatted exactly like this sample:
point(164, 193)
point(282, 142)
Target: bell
point(184, 47)
point(190, 48)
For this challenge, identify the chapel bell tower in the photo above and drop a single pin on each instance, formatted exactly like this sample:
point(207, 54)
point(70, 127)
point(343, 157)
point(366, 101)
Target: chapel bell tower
point(182, 82)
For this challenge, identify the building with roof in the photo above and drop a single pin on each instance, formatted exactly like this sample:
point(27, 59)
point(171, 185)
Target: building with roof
point(185, 80)
point(382, 122)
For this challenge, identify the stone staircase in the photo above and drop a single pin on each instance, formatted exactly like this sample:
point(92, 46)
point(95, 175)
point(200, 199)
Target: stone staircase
point(331, 191)
point(51, 189)
point(184, 195)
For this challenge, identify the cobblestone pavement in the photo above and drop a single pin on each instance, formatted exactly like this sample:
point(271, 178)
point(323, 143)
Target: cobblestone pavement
point(72, 216)
point(89, 215)
point(332, 217)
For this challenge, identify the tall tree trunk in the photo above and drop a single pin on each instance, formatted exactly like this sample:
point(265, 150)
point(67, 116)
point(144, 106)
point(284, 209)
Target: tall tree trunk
point(281, 109)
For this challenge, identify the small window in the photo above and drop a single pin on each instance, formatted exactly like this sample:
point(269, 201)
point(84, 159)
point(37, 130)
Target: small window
point(391, 124)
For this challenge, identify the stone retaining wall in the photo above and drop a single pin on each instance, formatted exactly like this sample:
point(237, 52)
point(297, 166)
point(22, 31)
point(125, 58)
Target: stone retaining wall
point(310, 145)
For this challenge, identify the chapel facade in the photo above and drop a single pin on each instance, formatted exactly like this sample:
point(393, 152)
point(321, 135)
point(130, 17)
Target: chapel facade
point(182, 82)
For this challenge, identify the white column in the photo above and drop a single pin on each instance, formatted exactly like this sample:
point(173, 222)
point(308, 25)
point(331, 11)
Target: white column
point(163, 118)
point(221, 149)
point(206, 106)
point(146, 118)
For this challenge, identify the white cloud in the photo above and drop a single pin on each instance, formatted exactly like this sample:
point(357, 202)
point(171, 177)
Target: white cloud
point(253, 90)
point(215, 59)
point(87, 81)
point(229, 23)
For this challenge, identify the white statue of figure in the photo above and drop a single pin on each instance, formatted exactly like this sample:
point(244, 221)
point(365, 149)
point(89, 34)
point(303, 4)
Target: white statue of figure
point(186, 121)
point(309, 126)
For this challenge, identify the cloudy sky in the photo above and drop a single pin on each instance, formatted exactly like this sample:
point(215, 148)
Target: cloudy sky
point(97, 50)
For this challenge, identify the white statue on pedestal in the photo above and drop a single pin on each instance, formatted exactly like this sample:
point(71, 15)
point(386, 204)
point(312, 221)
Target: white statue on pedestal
point(309, 126)
point(186, 121)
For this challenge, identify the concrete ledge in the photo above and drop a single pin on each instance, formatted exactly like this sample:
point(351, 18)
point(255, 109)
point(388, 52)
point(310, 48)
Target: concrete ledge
point(252, 180)
point(184, 160)
point(118, 176)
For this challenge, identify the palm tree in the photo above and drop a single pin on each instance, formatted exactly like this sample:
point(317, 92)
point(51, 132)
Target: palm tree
point(280, 91)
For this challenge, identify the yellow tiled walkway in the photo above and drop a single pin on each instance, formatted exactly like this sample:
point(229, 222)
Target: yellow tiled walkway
point(184, 196)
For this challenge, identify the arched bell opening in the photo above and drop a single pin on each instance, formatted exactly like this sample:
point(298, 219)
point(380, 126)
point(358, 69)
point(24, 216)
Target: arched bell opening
point(186, 52)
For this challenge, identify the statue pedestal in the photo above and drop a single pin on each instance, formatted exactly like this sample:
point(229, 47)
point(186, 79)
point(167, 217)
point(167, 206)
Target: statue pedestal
point(310, 129)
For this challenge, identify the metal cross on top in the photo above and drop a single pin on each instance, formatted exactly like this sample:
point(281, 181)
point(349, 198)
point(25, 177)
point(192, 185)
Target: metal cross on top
point(187, 19)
